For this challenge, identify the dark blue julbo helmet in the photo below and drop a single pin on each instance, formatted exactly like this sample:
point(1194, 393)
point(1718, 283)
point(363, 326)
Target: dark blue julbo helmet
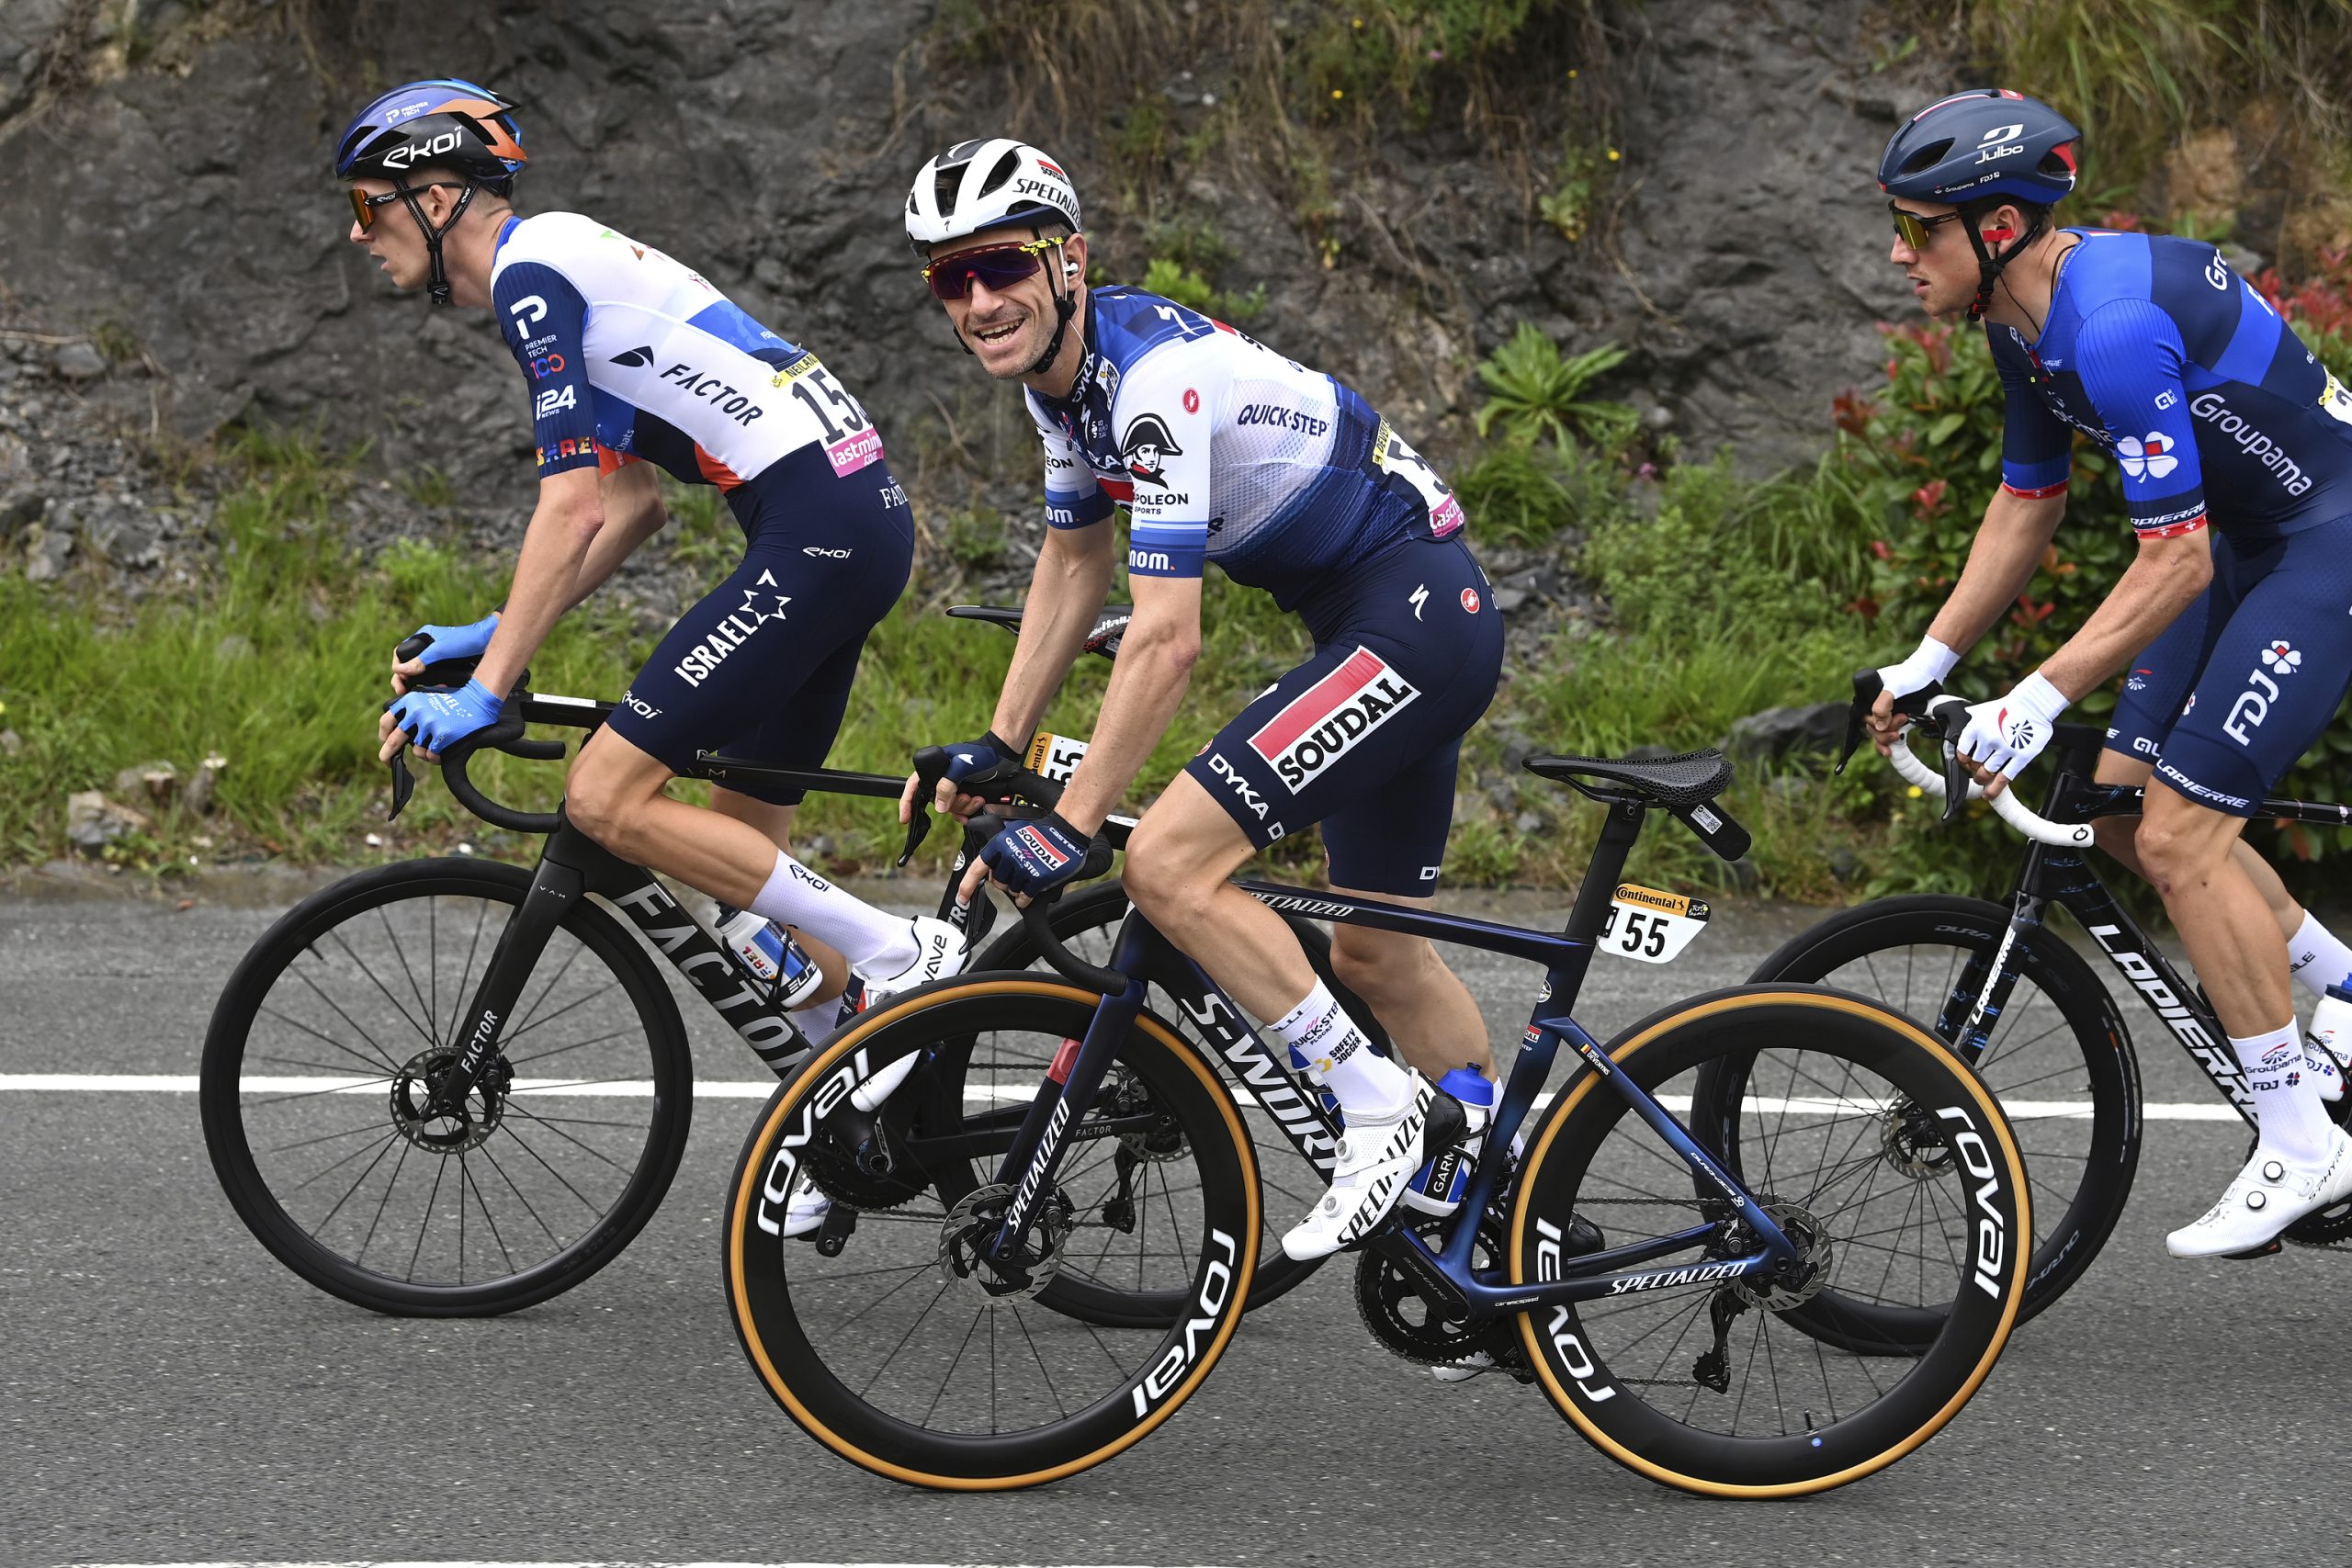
point(446, 123)
point(1975, 150)
point(1988, 141)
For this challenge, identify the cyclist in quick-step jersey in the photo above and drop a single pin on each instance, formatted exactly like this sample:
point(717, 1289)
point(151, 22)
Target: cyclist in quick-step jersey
point(1223, 450)
point(2234, 449)
point(632, 362)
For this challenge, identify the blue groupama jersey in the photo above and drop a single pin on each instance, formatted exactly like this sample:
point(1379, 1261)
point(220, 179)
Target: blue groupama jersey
point(2214, 409)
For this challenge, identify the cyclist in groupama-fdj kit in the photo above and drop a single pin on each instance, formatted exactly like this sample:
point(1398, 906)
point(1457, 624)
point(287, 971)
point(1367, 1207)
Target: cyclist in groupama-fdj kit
point(1223, 450)
point(634, 362)
point(2234, 449)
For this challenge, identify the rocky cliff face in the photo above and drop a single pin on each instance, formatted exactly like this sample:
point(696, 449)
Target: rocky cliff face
point(167, 194)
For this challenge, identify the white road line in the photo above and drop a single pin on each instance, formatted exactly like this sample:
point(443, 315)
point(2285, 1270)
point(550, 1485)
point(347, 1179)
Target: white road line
point(1017, 1086)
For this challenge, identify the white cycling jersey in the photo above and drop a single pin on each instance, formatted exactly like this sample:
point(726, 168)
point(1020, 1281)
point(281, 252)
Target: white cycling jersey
point(1224, 450)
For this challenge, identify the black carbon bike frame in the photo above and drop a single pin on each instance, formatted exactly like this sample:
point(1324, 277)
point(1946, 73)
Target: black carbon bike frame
point(2065, 877)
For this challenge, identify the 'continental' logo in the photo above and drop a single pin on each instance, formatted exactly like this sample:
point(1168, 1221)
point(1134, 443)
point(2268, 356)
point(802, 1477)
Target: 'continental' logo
point(1643, 897)
point(1323, 723)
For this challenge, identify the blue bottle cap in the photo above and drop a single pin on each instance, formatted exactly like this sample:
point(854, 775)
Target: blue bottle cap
point(1469, 1085)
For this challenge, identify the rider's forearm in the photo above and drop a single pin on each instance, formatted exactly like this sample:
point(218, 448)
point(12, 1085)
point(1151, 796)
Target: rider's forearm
point(1148, 684)
point(614, 543)
point(1065, 593)
point(2156, 587)
point(555, 546)
point(2009, 544)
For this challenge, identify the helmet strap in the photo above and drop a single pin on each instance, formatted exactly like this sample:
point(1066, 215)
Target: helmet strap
point(1064, 306)
point(438, 287)
point(1989, 267)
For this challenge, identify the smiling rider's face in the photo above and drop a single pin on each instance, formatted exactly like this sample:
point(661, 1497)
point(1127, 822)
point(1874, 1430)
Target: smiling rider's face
point(1007, 329)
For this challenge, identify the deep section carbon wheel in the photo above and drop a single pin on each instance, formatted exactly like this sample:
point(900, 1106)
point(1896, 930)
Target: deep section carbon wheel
point(1087, 922)
point(1726, 1386)
point(2058, 1060)
point(319, 1113)
point(894, 1337)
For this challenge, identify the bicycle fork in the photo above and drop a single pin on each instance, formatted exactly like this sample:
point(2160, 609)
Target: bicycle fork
point(572, 867)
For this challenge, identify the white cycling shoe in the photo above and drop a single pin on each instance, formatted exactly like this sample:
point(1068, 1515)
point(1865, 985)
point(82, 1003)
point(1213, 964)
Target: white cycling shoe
point(1374, 1162)
point(940, 952)
point(2267, 1196)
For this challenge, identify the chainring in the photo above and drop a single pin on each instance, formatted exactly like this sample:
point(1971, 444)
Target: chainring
point(1400, 1318)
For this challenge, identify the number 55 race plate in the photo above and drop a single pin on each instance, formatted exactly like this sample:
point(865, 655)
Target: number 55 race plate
point(1651, 925)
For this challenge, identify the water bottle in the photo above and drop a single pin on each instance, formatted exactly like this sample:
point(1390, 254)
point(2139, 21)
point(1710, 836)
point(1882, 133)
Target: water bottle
point(772, 957)
point(2327, 1040)
point(1438, 1187)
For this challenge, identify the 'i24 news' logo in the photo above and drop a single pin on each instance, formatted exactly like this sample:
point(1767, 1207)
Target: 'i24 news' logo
point(2147, 457)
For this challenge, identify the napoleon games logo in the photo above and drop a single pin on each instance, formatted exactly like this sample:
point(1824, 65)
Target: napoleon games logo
point(1146, 448)
point(2147, 457)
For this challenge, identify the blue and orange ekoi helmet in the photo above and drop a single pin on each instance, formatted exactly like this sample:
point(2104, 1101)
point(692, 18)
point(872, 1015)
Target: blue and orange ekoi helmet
point(443, 123)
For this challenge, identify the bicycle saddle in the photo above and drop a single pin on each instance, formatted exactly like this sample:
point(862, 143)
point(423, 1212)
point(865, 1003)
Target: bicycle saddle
point(1692, 779)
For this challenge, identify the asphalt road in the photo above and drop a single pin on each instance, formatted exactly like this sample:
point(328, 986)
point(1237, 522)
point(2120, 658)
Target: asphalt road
point(169, 1393)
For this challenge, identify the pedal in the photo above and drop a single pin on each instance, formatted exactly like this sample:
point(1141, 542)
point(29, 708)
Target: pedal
point(2265, 1250)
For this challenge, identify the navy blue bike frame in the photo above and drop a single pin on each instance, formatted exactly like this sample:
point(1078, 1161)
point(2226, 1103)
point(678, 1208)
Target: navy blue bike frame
point(1072, 1084)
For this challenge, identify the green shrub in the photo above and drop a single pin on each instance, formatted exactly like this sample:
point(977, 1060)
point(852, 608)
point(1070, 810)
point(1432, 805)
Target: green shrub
point(1538, 392)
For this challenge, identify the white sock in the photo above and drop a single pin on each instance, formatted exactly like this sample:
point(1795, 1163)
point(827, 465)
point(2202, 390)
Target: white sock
point(819, 1022)
point(2292, 1121)
point(1369, 1086)
point(794, 896)
point(2316, 958)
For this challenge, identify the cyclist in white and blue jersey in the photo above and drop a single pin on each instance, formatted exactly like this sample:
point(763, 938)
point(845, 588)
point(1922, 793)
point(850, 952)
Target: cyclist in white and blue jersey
point(1225, 451)
point(634, 362)
point(2233, 446)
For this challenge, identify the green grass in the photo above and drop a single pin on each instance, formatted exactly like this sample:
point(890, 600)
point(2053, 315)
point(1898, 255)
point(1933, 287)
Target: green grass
point(277, 662)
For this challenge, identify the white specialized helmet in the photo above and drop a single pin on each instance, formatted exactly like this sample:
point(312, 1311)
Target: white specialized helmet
point(987, 183)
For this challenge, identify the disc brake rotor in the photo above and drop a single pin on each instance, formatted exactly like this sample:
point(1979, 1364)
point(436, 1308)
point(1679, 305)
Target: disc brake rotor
point(1798, 1280)
point(971, 1227)
point(453, 1129)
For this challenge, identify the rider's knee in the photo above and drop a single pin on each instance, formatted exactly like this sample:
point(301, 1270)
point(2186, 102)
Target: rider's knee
point(594, 803)
point(2173, 855)
point(1169, 892)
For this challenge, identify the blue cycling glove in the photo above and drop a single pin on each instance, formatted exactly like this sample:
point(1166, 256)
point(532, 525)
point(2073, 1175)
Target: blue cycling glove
point(458, 642)
point(434, 721)
point(981, 762)
point(1038, 855)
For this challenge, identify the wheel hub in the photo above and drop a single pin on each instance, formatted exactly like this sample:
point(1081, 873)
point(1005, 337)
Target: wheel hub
point(971, 1227)
point(448, 1130)
point(1798, 1279)
point(1912, 1143)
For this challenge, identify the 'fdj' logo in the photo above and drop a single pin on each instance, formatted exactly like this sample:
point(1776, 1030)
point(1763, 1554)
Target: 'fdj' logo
point(2280, 659)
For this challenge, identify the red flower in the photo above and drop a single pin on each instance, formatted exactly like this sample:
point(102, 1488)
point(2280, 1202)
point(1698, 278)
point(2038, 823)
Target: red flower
point(1928, 498)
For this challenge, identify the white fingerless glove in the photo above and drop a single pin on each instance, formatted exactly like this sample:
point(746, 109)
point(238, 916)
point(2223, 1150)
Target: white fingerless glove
point(2006, 733)
point(1926, 666)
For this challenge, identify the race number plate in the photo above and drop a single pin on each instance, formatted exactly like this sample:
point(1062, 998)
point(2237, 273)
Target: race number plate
point(1054, 756)
point(1651, 925)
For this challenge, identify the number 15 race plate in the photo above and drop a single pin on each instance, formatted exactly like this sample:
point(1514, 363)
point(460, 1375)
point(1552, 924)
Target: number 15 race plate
point(1651, 925)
